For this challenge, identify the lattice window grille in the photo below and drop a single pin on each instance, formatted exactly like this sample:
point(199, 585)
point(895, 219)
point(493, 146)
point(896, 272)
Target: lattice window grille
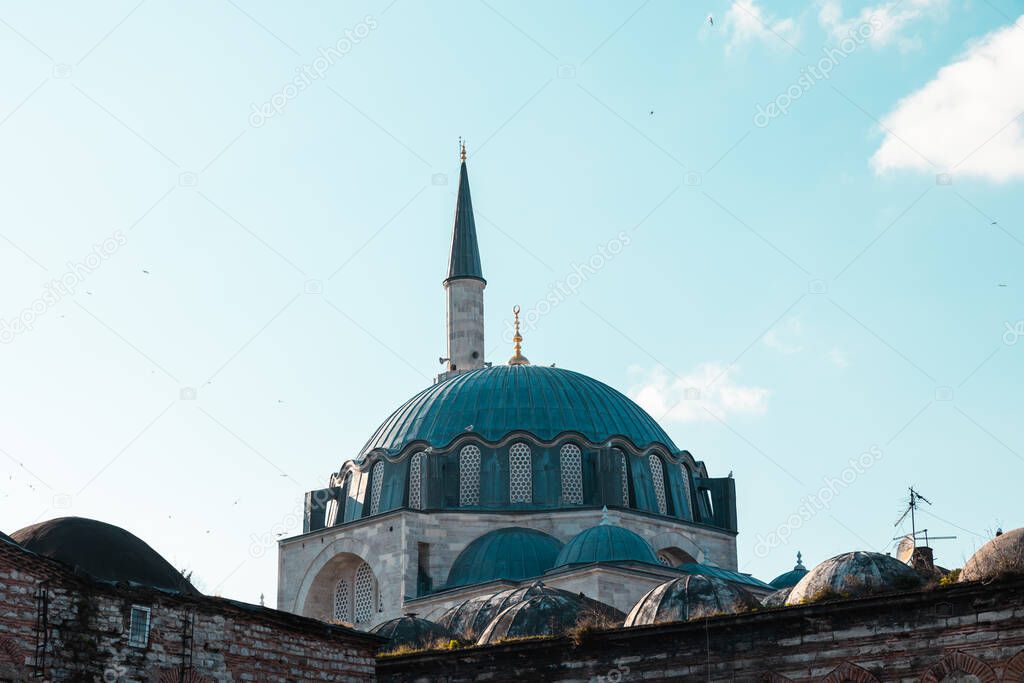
point(520, 467)
point(572, 475)
point(658, 479)
point(342, 602)
point(686, 488)
point(378, 480)
point(364, 598)
point(416, 482)
point(625, 481)
point(469, 476)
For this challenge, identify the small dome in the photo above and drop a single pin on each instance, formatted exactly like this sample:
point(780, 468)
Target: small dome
point(778, 598)
point(1003, 555)
point(690, 597)
point(513, 553)
point(410, 631)
point(550, 614)
point(470, 618)
point(606, 543)
point(103, 551)
point(790, 578)
point(854, 574)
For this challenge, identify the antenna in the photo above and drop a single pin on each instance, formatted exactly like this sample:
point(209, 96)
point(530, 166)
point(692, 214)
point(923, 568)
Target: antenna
point(909, 542)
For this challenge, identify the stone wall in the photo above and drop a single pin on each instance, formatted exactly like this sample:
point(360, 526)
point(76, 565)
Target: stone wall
point(308, 569)
point(88, 633)
point(966, 632)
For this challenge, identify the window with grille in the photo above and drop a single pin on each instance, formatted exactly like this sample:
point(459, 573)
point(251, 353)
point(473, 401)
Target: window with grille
point(416, 482)
point(658, 479)
point(377, 474)
point(625, 480)
point(342, 601)
point(469, 476)
point(138, 626)
point(572, 474)
point(365, 600)
point(686, 490)
point(520, 467)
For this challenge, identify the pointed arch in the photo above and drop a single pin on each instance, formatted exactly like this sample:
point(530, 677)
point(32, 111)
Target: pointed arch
point(1014, 671)
point(959, 662)
point(850, 673)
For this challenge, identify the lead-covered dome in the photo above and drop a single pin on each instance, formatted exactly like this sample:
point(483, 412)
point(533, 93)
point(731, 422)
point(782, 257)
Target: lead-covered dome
point(548, 614)
point(513, 554)
point(606, 543)
point(1002, 556)
point(852, 575)
point(469, 619)
point(103, 551)
point(690, 597)
point(410, 631)
point(493, 402)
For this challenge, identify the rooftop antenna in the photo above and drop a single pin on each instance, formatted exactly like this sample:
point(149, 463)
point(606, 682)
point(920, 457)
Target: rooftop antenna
point(909, 542)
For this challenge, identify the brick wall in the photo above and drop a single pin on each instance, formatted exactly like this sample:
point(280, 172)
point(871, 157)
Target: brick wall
point(88, 633)
point(966, 630)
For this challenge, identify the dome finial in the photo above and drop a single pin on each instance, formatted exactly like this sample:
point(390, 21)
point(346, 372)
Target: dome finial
point(604, 515)
point(799, 560)
point(462, 149)
point(517, 340)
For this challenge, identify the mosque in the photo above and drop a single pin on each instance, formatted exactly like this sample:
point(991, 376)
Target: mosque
point(500, 474)
point(510, 522)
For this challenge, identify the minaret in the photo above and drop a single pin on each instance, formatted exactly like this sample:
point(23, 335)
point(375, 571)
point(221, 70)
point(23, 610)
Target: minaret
point(464, 286)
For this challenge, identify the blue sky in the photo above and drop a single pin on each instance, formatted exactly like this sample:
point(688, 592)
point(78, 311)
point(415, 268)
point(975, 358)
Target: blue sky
point(248, 296)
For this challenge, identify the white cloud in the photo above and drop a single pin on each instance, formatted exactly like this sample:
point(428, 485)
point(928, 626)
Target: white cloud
point(785, 337)
point(747, 22)
point(967, 120)
point(688, 398)
point(889, 21)
point(838, 358)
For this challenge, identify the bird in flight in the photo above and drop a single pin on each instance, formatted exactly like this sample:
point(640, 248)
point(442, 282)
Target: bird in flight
point(711, 20)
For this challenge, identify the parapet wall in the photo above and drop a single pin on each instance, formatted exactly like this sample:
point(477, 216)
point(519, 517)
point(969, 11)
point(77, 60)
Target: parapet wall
point(966, 630)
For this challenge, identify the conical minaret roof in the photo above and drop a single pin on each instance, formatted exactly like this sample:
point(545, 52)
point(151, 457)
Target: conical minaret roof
point(464, 261)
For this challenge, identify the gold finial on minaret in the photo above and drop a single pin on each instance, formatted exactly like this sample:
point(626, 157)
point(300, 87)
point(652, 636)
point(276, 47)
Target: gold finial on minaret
point(462, 149)
point(517, 340)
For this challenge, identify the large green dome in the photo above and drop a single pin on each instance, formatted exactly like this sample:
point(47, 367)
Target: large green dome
point(492, 402)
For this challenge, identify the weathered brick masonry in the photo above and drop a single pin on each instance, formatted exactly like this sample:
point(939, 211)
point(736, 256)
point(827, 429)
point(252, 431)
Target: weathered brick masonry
point(87, 634)
point(966, 629)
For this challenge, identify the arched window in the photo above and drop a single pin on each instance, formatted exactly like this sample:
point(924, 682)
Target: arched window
point(377, 475)
point(469, 476)
point(572, 475)
point(687, 499)
point(416, 482)
point(658, 479)
point(625, 480)
point(520, 468)
point(342, 602)
point(365, 598)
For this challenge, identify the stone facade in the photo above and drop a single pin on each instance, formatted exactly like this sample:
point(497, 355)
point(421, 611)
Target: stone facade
point(965, 632)
point(465, 324)
point(395, 543)
point(87, 633)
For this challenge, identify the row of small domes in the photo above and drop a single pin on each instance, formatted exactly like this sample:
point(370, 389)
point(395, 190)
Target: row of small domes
point(539, 610)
